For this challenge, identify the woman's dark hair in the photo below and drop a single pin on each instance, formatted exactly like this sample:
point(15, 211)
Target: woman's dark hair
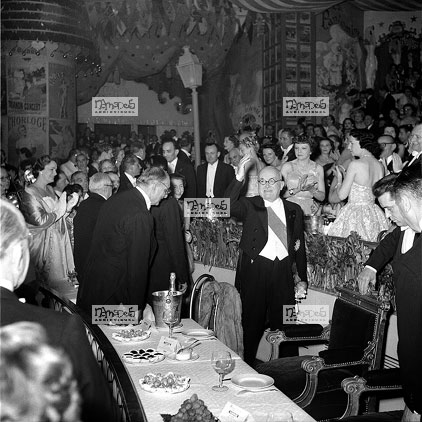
point(366, 141)
point(336, 138)
point(40, 165)
point(70, 189)
point(158, 161)
point(235, 140)
point(275, 147)
point(26, 152)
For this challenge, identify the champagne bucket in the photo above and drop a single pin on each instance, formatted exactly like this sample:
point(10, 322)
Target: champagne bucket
point(314, 224)
point(164, 300)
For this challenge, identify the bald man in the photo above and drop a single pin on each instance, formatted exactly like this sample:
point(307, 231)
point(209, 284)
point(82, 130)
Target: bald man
point(272, 245)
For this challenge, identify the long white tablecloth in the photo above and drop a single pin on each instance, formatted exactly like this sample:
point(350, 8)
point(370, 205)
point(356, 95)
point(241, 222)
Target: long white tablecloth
point(202, 378)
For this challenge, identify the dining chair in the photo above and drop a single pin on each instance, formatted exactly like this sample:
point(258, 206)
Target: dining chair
point(217, 306)
point(355, 340)
point(381, 383)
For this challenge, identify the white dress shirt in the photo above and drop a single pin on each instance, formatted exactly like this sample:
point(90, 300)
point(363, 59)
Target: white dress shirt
point(287, 150)
point(274, 248)
point(211, 170)
point(147, 200)
point(131, 179)
point(172, 166)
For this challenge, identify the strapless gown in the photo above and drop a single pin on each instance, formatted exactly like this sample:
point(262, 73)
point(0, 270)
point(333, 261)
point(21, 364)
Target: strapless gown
point(361, 215)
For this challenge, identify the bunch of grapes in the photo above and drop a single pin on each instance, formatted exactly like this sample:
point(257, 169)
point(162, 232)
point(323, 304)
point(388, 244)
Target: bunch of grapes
point(193, 410)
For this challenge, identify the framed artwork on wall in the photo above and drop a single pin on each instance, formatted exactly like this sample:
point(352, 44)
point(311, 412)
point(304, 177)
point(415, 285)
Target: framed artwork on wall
point(305, 90)
point(291, 33)
point(305, 53)
point(291, 17)
point(305, 17)
point(305, 33)
point(291, 72)
point(291, 89)
point(305, 72)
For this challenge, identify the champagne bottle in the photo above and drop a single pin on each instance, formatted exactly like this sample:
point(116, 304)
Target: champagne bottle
point(172, 287)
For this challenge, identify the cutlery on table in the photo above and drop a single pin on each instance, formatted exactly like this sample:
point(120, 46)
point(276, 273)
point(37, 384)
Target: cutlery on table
point(191, 346)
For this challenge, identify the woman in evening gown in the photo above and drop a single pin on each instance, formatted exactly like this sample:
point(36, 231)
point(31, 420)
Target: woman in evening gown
point(248, 145)
point(304, 178)
point(360, 214)
point(45, 214)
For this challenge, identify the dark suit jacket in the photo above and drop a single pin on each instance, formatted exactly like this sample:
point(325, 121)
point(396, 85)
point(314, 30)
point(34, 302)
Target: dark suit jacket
point(83, 225)
point(123, 245)
point(223, 177)
point(68, 332)
point(253, 213)
point(125, 183)
point(153, 149)
point(183, 156)
point(187, 170)
point(291, 155)
point(407, 278)
point(171, 249)
point(387, 104)
point(372, 107)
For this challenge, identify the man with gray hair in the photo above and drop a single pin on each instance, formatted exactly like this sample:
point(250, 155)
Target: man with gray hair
point(63, 330)
point(123, 245)
point(100, 188)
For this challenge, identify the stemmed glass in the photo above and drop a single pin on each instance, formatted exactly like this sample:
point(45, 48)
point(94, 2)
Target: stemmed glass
point(171, 319)
point(221, 361)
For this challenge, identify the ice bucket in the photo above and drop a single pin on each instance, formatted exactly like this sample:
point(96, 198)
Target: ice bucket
point(164, 300)
point(314, 224)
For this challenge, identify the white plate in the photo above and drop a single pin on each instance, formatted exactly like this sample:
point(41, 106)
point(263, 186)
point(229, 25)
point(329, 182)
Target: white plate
point(182, 384)
point(172, 357)
point(253, 381)
point(198, 333)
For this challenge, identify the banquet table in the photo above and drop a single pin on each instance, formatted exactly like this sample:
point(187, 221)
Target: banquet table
point(202, 378)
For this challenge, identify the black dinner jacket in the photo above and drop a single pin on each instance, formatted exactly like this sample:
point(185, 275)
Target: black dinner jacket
point(183, 156)
point(125, 183)
point(253, 213)
point(407, 276)
point(223, 177)
point(186, 169)
point(122, 249)
point(291, 155)
point(67, 332)
point(84, 224)
point(387, 104)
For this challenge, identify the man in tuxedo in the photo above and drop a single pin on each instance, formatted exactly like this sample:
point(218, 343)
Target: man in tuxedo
point(63, 330)
point(138, 150)
point(403, 247)
point(389, 159)
point(81, 178)
point(185, 152)
point(285, 140)
point(272, 244)
point(214, 177)
point(415, 147)
point(130, 169)
point(154, 146)
point(371, 106)
point(234, 158)
point(123, 245)
point(388, 102)
point(100, 189)
point(175, 165)
point(83, 166)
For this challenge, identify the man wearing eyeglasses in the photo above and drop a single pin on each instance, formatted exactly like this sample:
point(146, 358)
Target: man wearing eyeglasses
point(415, 147)
point(273, 261)
point(123, 244)
point(389, 159)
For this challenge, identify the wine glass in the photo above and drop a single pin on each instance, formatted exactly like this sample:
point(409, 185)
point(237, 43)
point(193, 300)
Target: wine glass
point(283, 416)
point(170, 318)
point(221, 361)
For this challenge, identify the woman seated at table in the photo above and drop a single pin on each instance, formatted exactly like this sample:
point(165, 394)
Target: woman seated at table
point(51, 250)
point(271, 154)
point(360, 214)
point(248, 144)
point(304, 178)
